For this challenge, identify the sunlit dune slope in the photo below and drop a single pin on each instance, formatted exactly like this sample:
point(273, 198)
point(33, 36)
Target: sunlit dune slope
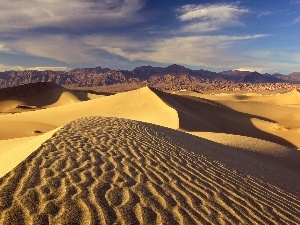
point(117, 171)
point(141, 104)
point(11, 155)
point(291, 98)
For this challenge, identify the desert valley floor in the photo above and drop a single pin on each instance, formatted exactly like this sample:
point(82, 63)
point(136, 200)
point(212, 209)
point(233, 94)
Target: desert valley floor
point(148, 157)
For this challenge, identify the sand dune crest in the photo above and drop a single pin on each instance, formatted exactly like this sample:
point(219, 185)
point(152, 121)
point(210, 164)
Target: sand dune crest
point(141, 104)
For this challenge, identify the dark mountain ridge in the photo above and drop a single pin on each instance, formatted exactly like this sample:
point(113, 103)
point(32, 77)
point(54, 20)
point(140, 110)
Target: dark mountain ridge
point(171, 76)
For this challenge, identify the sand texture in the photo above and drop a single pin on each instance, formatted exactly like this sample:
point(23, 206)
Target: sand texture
point(12, 155)
point(116, 171)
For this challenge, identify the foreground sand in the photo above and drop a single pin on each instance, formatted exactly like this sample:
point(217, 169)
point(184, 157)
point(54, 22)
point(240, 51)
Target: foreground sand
point(108, 170)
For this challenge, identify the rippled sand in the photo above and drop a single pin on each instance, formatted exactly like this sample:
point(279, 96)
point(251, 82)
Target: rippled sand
point(115, 171)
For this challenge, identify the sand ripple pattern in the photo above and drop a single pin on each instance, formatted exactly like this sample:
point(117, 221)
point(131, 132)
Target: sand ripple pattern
point(116, 171)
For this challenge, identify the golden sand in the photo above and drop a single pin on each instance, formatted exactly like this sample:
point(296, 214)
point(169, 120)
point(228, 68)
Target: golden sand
point(116, 171)
point(242, 167)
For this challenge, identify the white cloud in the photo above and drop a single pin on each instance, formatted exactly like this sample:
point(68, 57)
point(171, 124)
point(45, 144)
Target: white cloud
point(4, 48)
point(201, 51)
point(58, 47)
point(10, 67)
point(215, 51)
point(191, 50)
point(205, 18)
point(56, 68)
point(254, 69)
point(270, 61)
point(21, 14)
point(17, 67)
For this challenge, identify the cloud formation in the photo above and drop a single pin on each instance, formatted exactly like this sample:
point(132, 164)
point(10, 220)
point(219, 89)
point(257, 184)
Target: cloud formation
point(20, 14)
point(9, 68)
point(58, 47)
point(297, 20)
point(52, 68)
point(41, 32)
point(190, 50)
point(210, 17)
point(295, 1)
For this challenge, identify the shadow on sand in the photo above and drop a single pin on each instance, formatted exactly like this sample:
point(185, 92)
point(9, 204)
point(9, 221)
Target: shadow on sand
point(204, 115)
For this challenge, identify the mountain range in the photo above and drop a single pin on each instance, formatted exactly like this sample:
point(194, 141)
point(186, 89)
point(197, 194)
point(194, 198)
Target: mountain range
point(171, 77)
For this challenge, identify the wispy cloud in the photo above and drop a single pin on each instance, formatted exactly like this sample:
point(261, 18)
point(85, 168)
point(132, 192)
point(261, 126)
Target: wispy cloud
point(58, 47)
point(52, 68)
point(295, 1)
point(63, 13)
point(210, 17)
point(189, 50)
point(266, 13)
point(193, 44)
point(4, 67)
point(297, 20)
point(10, 67)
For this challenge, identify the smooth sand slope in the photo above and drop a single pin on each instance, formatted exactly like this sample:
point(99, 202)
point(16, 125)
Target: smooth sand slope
point(141, 104)
point(37, 95)
point(117, 171)
point(14, 151)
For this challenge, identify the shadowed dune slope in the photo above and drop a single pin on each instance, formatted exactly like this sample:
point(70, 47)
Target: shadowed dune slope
point(37, 95)
point(203, 115)
point(141, 104)
point(282, 111)
point(112, 171)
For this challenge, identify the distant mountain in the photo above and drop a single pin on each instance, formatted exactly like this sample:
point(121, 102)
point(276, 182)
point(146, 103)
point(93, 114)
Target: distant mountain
point(237, 73)
point(293, 77)
point(256, 77)
point(173, 77)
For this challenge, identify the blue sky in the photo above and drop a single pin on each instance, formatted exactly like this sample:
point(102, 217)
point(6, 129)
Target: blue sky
point(123, 34)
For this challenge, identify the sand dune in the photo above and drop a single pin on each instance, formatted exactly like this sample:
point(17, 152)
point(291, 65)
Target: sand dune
point(274, 118)
point(37, 95)
point(141, 104)
point(204, 115)
point(13, 154)
point(113, 171)
point(291, 98)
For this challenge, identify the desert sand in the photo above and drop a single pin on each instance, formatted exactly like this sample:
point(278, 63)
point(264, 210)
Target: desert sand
point(35, 96)
point(149, 157)
point(273, 118)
